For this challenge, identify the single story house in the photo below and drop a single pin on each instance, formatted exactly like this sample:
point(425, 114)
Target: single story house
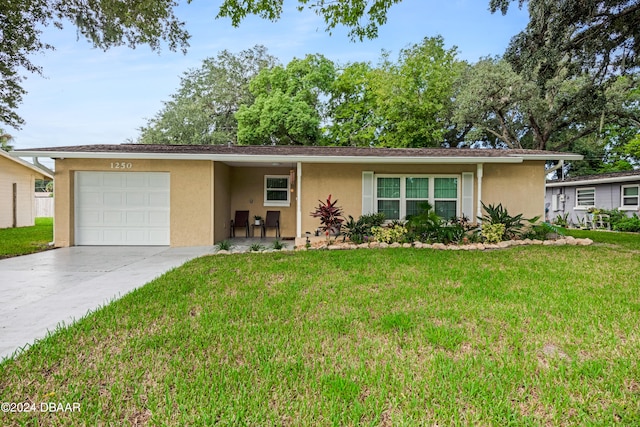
point(575, 196)
point(186, 195)
point(17, 191)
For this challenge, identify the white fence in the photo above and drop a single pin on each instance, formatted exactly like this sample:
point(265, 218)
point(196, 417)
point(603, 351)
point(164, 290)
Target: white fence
point(43, 205)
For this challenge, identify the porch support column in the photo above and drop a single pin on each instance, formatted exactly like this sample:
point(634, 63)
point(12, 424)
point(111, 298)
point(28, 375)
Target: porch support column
point(298, 200)
point(479, 173)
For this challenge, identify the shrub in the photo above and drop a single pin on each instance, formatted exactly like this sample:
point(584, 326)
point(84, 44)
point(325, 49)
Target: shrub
point(615, 216)
point(562, 220)
point(256, 247)
point(330, 216)
point(277, 245)
point(493, 233)
point(225, 245)
point(450, 233)
point(499, 215)
point(425, 225)
point(393, 234)
point(629, 224)
point(541, 231)
point(358, 231)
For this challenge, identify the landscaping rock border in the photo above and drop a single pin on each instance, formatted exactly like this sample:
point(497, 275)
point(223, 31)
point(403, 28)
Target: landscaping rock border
point(336, 246)
point(568, 240)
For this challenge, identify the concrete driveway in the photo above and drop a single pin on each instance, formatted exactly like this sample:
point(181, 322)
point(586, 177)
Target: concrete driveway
point(40, 291)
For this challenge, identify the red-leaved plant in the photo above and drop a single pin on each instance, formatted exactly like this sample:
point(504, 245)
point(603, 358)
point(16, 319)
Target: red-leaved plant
point(330, 216)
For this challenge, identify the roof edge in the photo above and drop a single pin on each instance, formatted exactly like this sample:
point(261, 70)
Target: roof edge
point(16, 158)
point(590, 181)
point(508, 157)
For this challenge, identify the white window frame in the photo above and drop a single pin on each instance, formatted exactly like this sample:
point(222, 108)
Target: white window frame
point(579, 207)
point(285, 203)
point(403, 191)
point(622, 197)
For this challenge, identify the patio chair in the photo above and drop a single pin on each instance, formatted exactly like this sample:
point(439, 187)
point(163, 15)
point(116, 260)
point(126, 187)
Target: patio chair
point(241, 220)
point(603, 221)
point(271, 221)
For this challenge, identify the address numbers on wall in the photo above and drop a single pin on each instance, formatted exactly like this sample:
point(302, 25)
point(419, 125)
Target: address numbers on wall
point(121, 165)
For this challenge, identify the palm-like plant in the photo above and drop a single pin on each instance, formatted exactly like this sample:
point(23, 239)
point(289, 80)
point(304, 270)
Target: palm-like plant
point(330, 216)
point(499, 215)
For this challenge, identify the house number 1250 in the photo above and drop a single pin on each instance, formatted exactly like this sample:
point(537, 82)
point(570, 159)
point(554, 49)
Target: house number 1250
point(121, 165)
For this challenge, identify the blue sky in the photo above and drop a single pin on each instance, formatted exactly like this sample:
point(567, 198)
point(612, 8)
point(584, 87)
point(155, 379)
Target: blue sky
point(89, 96)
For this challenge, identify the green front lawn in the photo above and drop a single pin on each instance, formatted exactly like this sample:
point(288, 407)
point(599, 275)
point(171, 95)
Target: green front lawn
point(26, 240)
point(525, 336)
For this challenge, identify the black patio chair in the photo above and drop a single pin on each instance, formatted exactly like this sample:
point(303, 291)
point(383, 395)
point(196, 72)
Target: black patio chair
point(271, 221)
point(241, 220)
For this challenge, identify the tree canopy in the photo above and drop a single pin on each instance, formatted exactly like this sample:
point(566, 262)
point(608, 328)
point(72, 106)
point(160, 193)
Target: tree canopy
point(403, 103)
point(362, 17)
point(289, 106)
point(105, 24)
point(203, 109)
point(601, 37)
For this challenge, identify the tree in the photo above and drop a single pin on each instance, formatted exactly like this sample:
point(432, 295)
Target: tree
point(601, 37)
point(363, 17)
point(5, 139)
point(203, 109)
point(414, 96)
point(500, 103)
point(352, 107)
point(105, 24)
point(289, 103)
point(397, 104)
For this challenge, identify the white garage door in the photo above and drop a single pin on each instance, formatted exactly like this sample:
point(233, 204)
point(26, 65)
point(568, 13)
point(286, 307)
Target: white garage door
point(122, 208)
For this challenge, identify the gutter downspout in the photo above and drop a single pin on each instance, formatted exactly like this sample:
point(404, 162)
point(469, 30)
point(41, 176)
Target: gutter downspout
point(479, 174)
point(41, 166)
point(555, 168)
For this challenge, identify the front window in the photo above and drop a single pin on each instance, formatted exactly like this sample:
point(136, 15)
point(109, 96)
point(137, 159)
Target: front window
point(585, 197)
point(389, 197)
point(417, 192)
point(446, 197)
point(276, 190)
point(399, 197)
point(630, 196)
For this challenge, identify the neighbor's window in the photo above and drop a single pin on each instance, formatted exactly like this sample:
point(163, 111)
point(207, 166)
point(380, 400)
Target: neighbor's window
point(630, 196)
point(398, 197)
point(276, 190)
point(585, 197)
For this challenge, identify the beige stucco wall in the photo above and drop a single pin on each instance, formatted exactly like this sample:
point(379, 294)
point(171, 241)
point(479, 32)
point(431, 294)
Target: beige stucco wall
point(247, 193)
point(191, 190)
point(12, 172)
point(344, 182)
point(519, 187)
point(200, 188)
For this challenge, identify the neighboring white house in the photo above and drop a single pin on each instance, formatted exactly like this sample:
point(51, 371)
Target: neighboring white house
point(17, 186)
point(616, 190)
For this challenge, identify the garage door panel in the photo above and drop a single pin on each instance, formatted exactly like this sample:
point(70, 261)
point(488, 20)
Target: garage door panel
point(137, 199)
point(136, 219)
point(91, 198)
point(88, 218)
point(136, 180)
point(158, 219)
point(158, 199)
point(113, 179)
point(156, 237)
point(122, 208)
point(94, 180)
